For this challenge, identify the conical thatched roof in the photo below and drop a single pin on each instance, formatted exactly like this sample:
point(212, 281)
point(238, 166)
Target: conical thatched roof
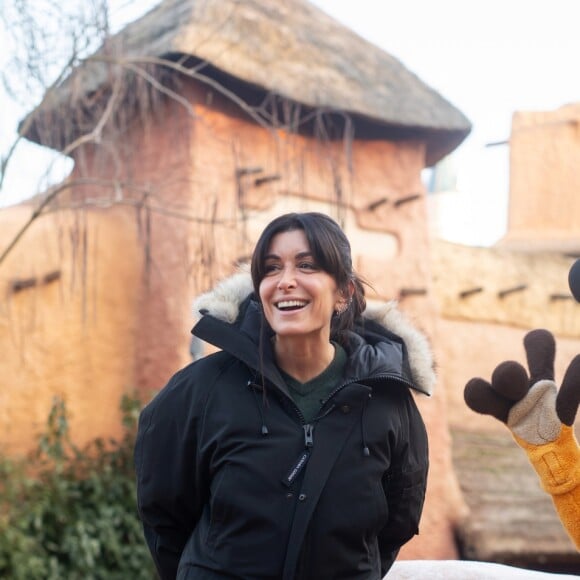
point(292, 49)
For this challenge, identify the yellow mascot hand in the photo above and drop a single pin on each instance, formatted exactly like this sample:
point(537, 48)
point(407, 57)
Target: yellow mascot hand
point(541, 419)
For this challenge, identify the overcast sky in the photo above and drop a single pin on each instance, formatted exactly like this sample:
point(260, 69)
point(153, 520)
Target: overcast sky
point(488, 58)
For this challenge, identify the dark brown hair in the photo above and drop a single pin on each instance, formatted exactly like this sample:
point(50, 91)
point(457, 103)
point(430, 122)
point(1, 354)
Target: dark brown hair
point(331, 251)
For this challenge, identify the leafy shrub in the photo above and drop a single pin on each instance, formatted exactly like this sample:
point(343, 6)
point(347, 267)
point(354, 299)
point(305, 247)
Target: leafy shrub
point(75, 517)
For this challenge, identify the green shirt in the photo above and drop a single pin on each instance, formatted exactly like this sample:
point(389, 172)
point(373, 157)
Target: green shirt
point(310, 395)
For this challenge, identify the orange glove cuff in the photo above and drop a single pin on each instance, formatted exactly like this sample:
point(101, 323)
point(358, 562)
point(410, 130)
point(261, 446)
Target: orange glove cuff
point(558, 465)
point(557, 462)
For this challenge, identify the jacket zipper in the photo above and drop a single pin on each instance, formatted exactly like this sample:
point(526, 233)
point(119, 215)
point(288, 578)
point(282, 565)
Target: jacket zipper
point(303, 458)
point(357, 379)
point(308, 435)
point(308, 428)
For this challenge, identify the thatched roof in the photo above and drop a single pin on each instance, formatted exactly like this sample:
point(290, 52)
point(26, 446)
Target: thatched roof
point(512, 520)
point(294, 50)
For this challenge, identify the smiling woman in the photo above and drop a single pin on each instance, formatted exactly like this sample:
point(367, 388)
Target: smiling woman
point(243, 457)
point(299, 298)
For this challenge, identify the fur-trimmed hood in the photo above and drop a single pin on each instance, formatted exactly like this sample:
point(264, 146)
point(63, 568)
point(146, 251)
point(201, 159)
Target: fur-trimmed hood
point(225, 300)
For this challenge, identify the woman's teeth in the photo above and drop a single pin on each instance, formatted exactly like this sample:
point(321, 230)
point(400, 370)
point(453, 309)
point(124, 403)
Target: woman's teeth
point(291, 304)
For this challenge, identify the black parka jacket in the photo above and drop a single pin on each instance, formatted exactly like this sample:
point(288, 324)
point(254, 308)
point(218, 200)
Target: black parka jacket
point(233, 484)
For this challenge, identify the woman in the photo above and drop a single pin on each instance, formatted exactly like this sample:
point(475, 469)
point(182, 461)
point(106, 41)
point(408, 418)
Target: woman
point(297, 451)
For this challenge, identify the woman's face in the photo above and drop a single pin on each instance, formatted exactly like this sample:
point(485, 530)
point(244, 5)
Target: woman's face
point(298, 297)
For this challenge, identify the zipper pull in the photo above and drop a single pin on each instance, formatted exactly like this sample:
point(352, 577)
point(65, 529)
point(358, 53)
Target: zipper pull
point(308, 435)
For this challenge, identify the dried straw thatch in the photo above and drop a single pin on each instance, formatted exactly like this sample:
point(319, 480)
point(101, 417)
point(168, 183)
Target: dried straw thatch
point(291, 49)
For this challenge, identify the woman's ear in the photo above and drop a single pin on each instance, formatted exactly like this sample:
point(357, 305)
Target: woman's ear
point(345, 299)
point(340, 306)
point(349, 292)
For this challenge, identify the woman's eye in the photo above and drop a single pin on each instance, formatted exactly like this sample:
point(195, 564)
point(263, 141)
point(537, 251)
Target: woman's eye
point(269, 268)
point(307, 266)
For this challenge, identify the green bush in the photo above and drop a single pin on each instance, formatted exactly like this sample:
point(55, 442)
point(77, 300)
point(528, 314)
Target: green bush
point(76, 517)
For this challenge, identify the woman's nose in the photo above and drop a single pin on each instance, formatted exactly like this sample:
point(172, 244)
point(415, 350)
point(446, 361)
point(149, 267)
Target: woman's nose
point(287, 279)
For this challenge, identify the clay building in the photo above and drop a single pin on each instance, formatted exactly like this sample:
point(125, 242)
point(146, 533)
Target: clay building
point(544, 212)
point(488, 299)
point(190, 130)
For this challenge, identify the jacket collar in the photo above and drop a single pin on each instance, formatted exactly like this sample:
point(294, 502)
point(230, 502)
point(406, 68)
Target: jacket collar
point(384, 342)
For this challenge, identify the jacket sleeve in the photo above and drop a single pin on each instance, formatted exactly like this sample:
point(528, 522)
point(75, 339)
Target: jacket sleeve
point(170, 487)
point(405, 484)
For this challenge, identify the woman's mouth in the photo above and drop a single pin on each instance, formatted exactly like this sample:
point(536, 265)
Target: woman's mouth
point(289, 305)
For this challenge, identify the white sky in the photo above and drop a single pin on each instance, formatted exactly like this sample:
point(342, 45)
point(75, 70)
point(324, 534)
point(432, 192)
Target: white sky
point(489, 58)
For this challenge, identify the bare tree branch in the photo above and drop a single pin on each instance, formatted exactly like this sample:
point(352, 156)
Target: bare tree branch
point(188, 72)
point(272, 113)
point(29, 120)
point(94, 136)
point(160, 87)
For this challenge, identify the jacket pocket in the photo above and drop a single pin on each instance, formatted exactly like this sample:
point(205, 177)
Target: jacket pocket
point(405, 498)
point(414, 497)
point(218, 510)
point(381, 506)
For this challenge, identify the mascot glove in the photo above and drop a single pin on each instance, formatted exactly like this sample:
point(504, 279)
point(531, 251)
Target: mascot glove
point(541, 419)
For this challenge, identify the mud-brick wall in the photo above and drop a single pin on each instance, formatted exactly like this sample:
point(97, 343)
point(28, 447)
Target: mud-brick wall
point(193, 187)
point(544, 204)
point(68, 323)
point(489, 298)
